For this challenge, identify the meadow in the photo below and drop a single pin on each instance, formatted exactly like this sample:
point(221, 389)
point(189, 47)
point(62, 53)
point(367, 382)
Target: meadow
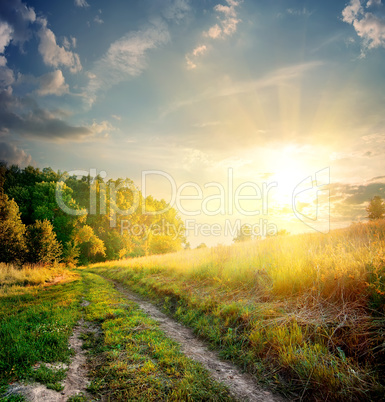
point(129, 357)
point(304, 313)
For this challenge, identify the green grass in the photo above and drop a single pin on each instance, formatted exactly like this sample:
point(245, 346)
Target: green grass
point(304, 314)
point(133, 359)
point(35, 327)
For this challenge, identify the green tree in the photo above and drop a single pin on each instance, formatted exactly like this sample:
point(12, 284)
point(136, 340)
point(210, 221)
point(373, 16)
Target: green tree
point(12, 231)
point(376, 208)
point(43, 245)
point(89, 244)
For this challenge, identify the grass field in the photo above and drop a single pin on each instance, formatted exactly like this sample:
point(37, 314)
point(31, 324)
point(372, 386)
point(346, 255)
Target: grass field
point(304, 313)
point(36, 322)
point(129, 356)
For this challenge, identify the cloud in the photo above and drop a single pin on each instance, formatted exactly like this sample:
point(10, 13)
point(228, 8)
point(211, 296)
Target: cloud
point(223, 89)
point(227, 26)
point(372, 3)
point(53, 84)
point(98, 20)
point(126, 57)
point(199, 50)
point(18, 16)
point(6, 74)
point(214, 32)
point(368, 26)
point(14, 156)
point(53, 54)
point(35, 122)
point(299, 12)
point(81, 3)
point(6, 32)
point(175, 10)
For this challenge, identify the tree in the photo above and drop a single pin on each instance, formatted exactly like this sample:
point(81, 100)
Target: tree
point(12, 230)
point(245, 233)
point(43, 245)
point(89, 244)
point(376, 208)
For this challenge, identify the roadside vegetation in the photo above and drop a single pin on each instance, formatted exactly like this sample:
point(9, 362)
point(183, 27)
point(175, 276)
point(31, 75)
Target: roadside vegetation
point(36, 323)
point(304, 313)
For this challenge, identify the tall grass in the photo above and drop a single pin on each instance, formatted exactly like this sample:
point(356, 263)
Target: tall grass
point(305, 311)
point(13, 279)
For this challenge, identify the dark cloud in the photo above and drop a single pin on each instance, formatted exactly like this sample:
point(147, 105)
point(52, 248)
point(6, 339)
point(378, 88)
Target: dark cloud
point(35, 122)
point(348, 201)
point(14, 156)
point(358, 194)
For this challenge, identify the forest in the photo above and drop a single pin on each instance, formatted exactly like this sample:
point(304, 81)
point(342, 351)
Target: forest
point(34, 229)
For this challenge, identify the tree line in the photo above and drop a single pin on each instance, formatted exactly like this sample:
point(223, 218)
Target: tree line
point(35, 229)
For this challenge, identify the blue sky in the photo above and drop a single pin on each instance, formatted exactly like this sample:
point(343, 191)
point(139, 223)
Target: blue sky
point(268, 88)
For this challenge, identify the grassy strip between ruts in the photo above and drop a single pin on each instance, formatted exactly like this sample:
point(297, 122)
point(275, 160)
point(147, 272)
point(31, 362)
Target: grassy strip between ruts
point(133, 359)
point(35, 327)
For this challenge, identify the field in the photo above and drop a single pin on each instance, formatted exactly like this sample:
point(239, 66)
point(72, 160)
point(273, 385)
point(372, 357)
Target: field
point(303, 314)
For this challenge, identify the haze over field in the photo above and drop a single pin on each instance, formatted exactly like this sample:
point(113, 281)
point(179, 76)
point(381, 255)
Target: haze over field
point(224, 91)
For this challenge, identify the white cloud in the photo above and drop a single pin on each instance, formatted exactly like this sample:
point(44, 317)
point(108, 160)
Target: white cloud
point(214, 32)
point(372, 3)
point(6, 74)
point(227, 26)
point(53, 54)
point(199, 50)
point(228, 20)
point(126, 57)
point(351, 11)
point(81, 3)
point(6, 32)
point(19, 17)
point(98, 20)
point(53, 84)
point(101, 128)
point(368, 26)
point(228, 11)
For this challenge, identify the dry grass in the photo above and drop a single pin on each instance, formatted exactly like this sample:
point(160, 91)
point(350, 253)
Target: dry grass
point(311, 306)
point(13, 279)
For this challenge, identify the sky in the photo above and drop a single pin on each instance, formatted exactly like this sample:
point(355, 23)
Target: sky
point(241, 92)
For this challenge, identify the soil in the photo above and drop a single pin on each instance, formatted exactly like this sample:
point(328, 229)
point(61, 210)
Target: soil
point(76, 381)
point(242, 386)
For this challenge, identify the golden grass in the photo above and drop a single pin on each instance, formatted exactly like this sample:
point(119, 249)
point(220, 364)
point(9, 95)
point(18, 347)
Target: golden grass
point(338, 267)
point(309, 305)
point(14, 279)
